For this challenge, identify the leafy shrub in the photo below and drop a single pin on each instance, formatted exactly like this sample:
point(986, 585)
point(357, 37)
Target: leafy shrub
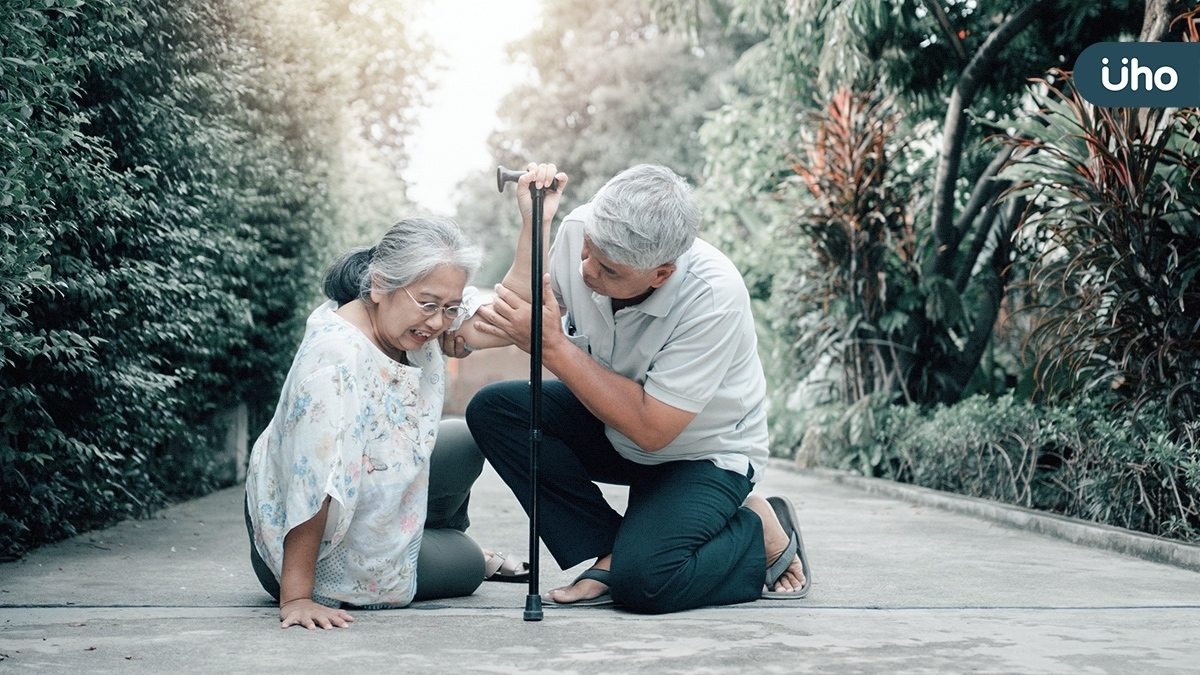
point(1078, 459)
point(861, 238)
point(167, 206)
point(1114, 229)
point(56, 181)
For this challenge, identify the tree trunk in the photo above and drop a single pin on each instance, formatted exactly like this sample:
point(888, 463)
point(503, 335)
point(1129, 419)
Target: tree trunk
point(1156, 26)
point(954, 131)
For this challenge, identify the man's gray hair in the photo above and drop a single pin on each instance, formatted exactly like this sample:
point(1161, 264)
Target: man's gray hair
point(408, 252)
point(644, 217)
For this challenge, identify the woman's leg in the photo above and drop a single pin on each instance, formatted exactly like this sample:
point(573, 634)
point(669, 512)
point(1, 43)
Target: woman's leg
point(449, 565)
point(454, 466)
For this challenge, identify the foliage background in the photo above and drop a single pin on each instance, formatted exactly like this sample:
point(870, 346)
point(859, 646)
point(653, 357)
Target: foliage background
point(174, 175)
point(920, 222)
point(964, 276)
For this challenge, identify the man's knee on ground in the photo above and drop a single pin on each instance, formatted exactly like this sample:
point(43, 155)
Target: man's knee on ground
point(638, 589)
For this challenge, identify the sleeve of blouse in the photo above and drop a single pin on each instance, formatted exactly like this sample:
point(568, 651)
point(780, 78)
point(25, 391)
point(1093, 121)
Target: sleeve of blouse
point(321, 449)
point(471, 301)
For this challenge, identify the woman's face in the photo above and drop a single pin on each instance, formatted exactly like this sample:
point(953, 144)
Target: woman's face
point(401, 326)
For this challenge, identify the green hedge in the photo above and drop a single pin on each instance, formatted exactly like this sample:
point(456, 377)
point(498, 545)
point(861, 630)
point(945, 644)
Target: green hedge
point(164, 205)
point(1081, 459)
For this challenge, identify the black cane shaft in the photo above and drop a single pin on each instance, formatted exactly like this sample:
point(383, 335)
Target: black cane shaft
point(533, 609)
point(533, 601)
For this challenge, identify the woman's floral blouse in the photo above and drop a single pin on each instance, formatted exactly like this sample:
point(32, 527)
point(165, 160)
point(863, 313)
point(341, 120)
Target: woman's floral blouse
point(356, 426)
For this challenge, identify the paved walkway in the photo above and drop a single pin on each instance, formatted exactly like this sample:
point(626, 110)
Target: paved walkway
point(899, 587)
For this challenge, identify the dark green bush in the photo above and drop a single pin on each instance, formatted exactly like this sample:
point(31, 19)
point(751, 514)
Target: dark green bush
point(163, 219)
point(1080, 460)
point(54, 176)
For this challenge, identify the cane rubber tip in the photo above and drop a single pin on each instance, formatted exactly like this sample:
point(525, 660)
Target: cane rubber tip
point(533, 607)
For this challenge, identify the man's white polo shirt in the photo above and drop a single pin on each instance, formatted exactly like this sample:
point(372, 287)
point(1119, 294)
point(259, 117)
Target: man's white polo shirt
point(691, 345)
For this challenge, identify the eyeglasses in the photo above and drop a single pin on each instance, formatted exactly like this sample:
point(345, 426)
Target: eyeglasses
point(430, 308)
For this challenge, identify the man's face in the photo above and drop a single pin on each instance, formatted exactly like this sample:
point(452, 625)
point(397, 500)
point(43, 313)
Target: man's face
point(617, 281)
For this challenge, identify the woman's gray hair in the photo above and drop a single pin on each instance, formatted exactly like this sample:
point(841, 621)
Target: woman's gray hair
point(409, 251)
point(644, 217)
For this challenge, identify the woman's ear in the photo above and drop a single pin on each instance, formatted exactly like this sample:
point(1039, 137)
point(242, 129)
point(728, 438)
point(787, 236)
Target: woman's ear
point(376, 289)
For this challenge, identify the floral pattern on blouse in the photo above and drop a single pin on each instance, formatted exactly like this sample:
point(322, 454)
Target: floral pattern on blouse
point(356, 426)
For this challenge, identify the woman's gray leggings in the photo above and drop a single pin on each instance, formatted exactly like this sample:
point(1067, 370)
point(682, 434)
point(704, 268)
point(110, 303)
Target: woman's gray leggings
point(450, 564)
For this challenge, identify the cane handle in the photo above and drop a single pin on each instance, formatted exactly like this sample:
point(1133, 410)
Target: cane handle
point(504, 175)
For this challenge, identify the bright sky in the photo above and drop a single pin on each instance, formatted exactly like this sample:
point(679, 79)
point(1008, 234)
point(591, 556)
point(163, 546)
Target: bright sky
point(452, 137)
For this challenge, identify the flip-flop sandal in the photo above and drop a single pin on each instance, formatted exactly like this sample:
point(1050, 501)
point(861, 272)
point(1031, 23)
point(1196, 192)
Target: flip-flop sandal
point(502, 568)
point(603, 576)
point(787, 517)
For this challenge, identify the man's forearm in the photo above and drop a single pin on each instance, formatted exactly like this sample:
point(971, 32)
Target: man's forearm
point(616, 400)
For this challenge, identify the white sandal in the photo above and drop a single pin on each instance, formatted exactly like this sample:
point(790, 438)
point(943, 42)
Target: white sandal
point(502, 568)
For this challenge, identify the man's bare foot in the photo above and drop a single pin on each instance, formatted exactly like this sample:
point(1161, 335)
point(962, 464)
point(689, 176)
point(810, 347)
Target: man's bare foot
point(583, 589)
point(775, 541)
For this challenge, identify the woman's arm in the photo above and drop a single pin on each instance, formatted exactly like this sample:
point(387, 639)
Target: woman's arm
point(296, 606)
point(468, 338)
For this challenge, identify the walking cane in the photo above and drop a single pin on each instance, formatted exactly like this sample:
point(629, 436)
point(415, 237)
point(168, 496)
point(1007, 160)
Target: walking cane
point(533, 601)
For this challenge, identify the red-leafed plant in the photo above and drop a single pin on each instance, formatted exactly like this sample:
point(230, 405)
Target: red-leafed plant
point(1114, 232)
point(859, 233)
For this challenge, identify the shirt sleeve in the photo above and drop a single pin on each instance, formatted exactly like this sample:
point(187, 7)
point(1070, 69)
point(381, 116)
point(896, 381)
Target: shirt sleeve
point(563, 258)
point(471, 301)
point(318, 453)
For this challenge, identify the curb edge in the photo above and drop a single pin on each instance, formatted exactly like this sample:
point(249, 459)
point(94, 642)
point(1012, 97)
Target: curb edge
point(1074, 530)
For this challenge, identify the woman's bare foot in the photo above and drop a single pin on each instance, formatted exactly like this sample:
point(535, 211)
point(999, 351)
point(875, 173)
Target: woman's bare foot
point(584, 589)
point(776, 542)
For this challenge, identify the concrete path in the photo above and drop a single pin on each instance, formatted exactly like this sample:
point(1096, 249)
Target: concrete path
point(899, 587)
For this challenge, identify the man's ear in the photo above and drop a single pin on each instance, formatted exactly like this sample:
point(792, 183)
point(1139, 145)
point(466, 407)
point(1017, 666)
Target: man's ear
point(661, 274)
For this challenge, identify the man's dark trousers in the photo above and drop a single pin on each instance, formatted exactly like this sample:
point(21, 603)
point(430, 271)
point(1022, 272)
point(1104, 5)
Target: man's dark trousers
point(685, 540)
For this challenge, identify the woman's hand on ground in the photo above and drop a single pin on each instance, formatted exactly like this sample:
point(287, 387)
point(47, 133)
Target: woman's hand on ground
point(305, 612)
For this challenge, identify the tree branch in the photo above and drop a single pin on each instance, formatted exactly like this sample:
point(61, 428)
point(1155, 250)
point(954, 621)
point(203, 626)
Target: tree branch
point(981, 237)
point(989, 302)
point(985, 190)
point(954, 130)
point(935, 8)
point(1156, 24)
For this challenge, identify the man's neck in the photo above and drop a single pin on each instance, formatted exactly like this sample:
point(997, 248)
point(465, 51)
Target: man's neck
point(620, 304)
